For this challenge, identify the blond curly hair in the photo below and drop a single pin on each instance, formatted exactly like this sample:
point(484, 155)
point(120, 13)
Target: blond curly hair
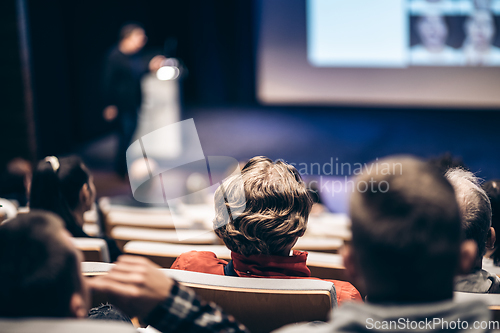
point(272, 214)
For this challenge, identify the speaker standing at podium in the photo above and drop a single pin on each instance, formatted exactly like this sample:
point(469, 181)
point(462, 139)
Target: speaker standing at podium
point(124, 67)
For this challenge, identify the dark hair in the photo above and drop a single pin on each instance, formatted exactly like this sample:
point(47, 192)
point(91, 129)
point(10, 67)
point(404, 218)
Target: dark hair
point(38, 271)
point(276, 208)
point(127, 29)
point(58, 190)
point(492, 189)
point(406, 232)
point(15, 180)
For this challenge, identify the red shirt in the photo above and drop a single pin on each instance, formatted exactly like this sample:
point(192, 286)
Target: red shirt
point(278, 267)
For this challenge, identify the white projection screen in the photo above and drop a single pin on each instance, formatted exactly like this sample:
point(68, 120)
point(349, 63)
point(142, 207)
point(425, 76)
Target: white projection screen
point(415, 53)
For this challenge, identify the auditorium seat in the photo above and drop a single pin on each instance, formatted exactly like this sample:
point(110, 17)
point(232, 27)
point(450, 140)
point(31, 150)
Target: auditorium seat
point(164, 254)
point(90, 269)
point(490, 267)
point(123, 235)
point(90, 226)
point(322, 265)
point(326, 266)
point(107, 206)
point(94, 249)
point(262, 304)
point(329, 225)
point(46, 325)
point(154, 221)
point(91, 229)
point(493, 301)
point(319, 244)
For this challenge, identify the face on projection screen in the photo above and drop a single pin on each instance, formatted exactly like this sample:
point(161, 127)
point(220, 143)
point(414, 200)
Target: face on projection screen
point(438, 53)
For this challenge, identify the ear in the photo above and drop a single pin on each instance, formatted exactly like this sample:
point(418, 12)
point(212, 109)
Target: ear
point(78, 307)
point(85, 195)
point(492, 238)
point(468, 255)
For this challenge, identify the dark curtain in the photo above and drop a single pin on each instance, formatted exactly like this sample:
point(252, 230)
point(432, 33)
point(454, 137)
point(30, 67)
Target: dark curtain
point(215, 40)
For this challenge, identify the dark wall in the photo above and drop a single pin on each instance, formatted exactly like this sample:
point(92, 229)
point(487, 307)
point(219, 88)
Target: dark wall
point(216, 42)
point(71, 38)
point(14, 133)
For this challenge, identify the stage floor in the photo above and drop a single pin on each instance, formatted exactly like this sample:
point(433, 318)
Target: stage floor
point(319, 135)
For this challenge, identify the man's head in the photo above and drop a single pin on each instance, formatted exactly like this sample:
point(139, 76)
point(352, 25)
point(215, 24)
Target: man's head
point(475, 208)
point(132, 38)
point(275, 212)
point(406, 233)
point(40, 269)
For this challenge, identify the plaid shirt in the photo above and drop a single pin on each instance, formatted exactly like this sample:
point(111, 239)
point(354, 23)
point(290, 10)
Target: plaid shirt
point(183, 311)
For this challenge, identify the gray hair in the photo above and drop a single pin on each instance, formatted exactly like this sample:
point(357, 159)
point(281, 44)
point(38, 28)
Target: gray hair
point(474, 204)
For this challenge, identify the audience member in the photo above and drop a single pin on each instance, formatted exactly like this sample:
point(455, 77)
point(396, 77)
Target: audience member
point(406, 248)
point(475, 210)
point(66, 187)
point(15, 181)
point(492, 189)
point(262, 237)
point(41, 268)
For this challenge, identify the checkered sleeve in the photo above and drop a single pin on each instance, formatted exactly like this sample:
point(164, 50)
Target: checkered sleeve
point(183, 311)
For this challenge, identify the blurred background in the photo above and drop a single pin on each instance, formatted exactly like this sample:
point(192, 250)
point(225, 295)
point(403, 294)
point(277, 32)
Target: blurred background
point(247, 81)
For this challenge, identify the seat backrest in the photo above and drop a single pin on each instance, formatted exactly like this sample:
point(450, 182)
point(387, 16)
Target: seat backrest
point(155, 221)
point(37, 325)
point(123, 235)
point(164, 254)
point(319, 244)
point(90, 269)
point(492, 300)
point(94, 249)
point(260, 304)
point(263, 304)
point(326, 266)
point(322, 265)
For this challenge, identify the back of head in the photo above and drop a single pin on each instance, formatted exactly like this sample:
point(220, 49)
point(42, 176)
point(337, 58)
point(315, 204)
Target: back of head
point(276, 209)
point(56, 187)
point(474, 206)
point(405, 231)
point(38, 271)
point(15, 181)
point(127, 29)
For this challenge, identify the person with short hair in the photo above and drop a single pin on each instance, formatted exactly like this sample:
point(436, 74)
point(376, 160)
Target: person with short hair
point(475, 210)
point(406, 247)
point(40, 268)
point(41, 278)
point(124, 68)
point(276, 209)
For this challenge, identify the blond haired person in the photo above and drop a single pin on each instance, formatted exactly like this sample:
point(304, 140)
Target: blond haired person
point(261, 238)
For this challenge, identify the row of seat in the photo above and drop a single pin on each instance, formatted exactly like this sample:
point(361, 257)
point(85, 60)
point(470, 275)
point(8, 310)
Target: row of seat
point(267, 304)
point(326, 232)
point(322, 265)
